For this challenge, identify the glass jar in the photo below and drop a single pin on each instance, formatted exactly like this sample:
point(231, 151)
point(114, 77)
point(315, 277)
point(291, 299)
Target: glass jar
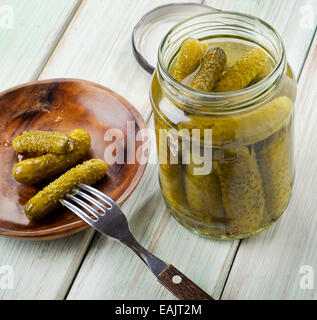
point(226, 159)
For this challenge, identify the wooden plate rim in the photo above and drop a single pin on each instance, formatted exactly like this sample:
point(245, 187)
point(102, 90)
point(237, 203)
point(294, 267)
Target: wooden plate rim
point(80, 225)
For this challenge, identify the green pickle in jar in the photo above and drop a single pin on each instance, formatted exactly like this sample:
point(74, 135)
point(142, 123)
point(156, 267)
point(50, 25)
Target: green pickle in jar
point(170, 174)
point(210, 70)
point(241, 189)
point(275, 164)
point(202, 191)
point(231, 91)
point(245, 70)
point(245, 128)
point(191, 54)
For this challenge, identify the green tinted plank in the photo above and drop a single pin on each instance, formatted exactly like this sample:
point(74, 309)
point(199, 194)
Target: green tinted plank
point(26, 45)
point(24, 50)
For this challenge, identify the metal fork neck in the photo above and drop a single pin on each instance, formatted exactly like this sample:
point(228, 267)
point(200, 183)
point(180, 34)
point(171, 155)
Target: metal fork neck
point(155, 264)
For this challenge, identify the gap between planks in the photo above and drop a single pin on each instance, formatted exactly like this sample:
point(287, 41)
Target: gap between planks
point(75, 11)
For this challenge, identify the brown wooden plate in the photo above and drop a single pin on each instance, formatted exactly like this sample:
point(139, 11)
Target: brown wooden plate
point(61, 105)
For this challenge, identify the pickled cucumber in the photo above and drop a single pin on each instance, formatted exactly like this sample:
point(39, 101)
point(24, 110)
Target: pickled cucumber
point(275, 162)
point(263, 74)
point(171, 175)
point(243, 71)
point(36, 170)
point(210, 70)
point(44, 142)
point(189, 58)
point(244, 128)
point(288, 85)
point(241, 189)
point(203, 193)
point(238, 228)
point(49, 198)
point(172, 187)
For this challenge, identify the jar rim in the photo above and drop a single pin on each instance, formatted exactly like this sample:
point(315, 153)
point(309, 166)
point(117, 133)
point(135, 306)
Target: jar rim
point(263, 85)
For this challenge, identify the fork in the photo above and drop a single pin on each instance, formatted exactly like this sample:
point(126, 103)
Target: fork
point(110, 221)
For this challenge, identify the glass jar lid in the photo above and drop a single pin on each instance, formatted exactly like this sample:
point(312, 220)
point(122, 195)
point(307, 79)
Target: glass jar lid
point(154, 25)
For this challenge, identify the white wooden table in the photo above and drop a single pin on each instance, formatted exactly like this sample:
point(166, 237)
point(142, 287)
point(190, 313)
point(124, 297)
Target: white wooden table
point(91, 39)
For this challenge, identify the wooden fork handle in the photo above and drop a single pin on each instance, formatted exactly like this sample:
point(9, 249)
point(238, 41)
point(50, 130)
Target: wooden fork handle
point(182, 287)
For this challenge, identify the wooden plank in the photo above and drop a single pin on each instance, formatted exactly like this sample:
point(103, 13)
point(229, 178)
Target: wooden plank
point(299, 31)
point(24, 49)
point(110, 271)
point(99, 29)
point(42, 270)
point(26, 46)
point(271, 265)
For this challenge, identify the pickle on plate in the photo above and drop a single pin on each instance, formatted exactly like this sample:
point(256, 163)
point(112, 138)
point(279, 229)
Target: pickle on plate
point(189, 58)
point(275, 163)
point(170, 174)
point(245, 127)
point(36, 170)
point(210, 70)
point(241, 189)
point(44, 142)
point(48, 199)
point(202, 192)
point(243, 71)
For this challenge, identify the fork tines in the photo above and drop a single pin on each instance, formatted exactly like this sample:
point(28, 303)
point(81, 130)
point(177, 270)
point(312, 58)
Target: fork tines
point(102, 209)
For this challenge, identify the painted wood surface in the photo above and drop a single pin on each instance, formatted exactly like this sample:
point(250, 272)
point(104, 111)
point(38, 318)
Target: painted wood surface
point(38, 26)
point(36, 276)
point(131, 280)
point(26, 44)
point(113, 68)
point(108, 270)
point(97, 47)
